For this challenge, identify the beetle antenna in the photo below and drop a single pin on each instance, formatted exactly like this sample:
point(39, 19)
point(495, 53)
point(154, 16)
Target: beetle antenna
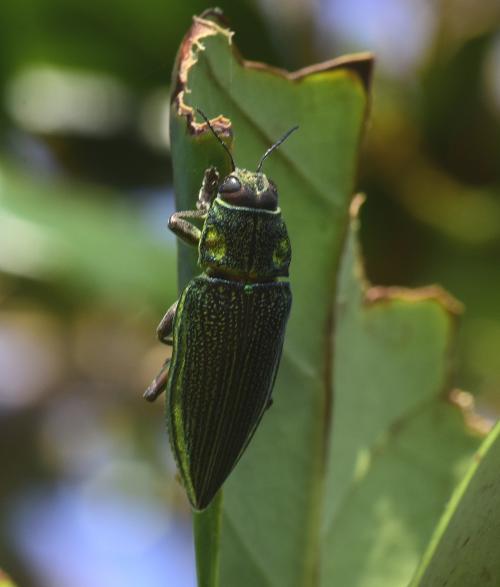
point(275, 146)
point(205, 118)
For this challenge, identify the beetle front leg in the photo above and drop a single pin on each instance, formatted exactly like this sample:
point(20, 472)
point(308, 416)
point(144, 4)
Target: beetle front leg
point(179, 224)
point(179, 221)
point(208, 190)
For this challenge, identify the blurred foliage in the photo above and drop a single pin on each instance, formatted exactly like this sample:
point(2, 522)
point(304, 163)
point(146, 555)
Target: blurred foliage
point(464, 547)
point(77, 316)
point(85, 243)
point(5, 581)
point(397, 446)
point(433, 214)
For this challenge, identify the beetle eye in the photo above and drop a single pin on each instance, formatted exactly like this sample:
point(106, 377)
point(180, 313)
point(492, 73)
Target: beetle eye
point(230, 184)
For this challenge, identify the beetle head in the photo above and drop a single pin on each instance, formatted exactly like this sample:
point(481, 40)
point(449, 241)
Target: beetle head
point(247, 188)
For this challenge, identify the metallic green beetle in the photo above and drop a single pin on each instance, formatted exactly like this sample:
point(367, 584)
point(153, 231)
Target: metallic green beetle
point(227, 328)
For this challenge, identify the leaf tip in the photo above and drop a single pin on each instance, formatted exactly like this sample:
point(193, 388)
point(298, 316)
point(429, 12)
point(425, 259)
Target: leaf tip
point(355, 206)
point(475, 422)
point(361, 64)
point(210, 22)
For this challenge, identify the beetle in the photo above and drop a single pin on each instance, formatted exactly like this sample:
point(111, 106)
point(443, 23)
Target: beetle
point(227, 328)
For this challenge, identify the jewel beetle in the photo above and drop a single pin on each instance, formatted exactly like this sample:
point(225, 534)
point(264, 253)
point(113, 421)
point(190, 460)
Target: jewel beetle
point(227, 328)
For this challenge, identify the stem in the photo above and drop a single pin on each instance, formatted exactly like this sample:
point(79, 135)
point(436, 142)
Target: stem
point(206, 526)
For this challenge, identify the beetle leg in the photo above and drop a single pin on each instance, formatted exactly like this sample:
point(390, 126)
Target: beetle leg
point(158, 384)
point(208, 189)
point(179, 221)
point(179, 224)
point(166, 326)
point(164, 332)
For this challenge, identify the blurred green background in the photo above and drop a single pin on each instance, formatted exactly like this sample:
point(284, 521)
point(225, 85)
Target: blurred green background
point(87, 268)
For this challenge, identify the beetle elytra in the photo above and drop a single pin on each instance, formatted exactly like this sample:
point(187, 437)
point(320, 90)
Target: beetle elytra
point(227, 328)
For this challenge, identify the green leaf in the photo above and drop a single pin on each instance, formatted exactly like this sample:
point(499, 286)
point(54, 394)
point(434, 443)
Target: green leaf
point(316, 468)
point(464, 549)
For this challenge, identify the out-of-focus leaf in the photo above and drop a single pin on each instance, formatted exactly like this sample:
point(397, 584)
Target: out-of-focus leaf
point(455, 111)
point(5, 581)
point(464, 550)
point(397, 446)
point(137, 44)
point(90, 244)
